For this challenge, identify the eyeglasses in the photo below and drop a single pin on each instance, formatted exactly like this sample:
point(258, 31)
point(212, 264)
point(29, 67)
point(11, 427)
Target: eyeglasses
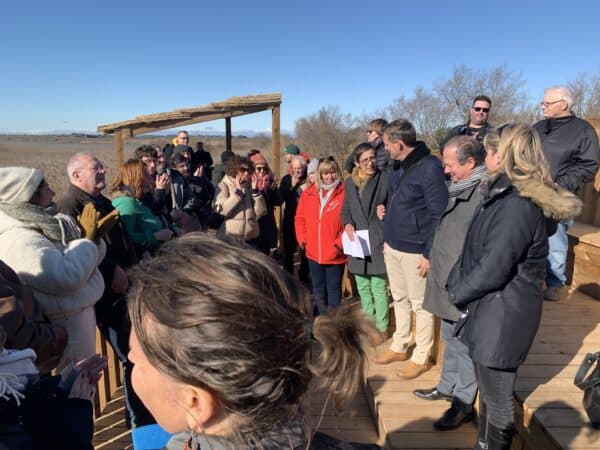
point(184, 138)
point(366, 161)
point(546, 104)
point(96, 168)
point(479, 109)
point(261, 168)
point(246, 169)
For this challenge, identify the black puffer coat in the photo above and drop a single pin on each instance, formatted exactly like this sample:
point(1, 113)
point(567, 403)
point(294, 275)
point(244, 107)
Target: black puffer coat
point(498, 279)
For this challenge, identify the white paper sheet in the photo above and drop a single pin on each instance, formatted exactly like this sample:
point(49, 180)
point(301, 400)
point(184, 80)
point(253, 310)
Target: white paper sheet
point(360, 247)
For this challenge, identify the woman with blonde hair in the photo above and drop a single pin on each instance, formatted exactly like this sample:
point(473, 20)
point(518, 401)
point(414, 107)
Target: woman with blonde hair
point(145, 228)
point(319, 232)
point(224, 348)
point(498, 280)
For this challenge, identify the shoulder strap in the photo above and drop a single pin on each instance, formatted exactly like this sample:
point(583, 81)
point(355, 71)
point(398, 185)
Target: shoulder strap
point(587, 363)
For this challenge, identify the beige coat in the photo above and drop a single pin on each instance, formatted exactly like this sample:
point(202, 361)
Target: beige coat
point(241, 212)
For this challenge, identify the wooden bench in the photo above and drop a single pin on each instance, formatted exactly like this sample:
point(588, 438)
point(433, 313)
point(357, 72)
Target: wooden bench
point(583, 263)
point(550, 413)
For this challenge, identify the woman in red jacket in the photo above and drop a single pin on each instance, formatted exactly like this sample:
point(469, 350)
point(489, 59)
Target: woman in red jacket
point(319, 232)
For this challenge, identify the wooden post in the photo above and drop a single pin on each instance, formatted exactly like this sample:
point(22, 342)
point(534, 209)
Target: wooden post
point(276, 139)
point(228, 133)
point(119, 147)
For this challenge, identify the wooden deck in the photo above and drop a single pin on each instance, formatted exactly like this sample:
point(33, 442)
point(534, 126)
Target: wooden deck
point(549, 406)
point(355, 424)
point(549, 410)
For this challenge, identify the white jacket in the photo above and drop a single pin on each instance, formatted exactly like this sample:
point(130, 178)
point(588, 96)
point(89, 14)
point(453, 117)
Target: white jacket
point(64, 279)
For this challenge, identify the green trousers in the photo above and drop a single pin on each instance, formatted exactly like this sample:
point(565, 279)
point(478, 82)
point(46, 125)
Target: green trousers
point(374, 298)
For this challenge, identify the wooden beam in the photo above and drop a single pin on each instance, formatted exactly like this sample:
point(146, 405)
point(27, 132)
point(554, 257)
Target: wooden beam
point(228, 133)
point(168, 124)
point(119, 147)
point(276, 139)
point(262, 102)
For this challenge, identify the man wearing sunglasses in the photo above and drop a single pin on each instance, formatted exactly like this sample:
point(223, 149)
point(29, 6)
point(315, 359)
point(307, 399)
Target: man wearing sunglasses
point(570, 145)
point(478, 124)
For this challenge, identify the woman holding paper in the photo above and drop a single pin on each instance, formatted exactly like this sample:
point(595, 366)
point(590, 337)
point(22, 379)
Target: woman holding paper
point(319, 232)
point(364, 190)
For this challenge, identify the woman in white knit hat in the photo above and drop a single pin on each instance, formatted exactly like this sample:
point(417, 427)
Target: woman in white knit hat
point(51, 256)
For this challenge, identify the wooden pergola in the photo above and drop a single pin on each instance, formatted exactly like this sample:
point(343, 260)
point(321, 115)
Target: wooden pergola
point(226, 109)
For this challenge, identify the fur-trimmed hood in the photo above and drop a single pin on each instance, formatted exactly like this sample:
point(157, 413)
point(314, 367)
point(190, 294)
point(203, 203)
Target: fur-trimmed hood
point(556, 202)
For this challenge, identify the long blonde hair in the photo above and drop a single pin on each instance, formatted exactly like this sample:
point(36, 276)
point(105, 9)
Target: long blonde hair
point(520, 150)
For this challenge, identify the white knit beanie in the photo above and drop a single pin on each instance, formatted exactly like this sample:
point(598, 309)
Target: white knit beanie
point(18, 184)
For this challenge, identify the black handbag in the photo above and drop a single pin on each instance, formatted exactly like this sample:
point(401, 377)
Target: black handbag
point(589, 383)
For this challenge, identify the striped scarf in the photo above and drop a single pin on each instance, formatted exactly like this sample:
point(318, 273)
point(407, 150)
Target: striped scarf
point(456, 189)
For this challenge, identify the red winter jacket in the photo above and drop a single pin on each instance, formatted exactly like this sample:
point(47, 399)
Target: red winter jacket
point(321, 234)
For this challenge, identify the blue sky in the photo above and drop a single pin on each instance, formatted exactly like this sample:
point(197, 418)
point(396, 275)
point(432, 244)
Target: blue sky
point(78, 64)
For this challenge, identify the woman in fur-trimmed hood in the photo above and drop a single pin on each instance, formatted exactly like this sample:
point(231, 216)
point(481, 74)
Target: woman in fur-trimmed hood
point(498, 280)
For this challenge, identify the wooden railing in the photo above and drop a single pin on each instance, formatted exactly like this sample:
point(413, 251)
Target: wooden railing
point(112, 378)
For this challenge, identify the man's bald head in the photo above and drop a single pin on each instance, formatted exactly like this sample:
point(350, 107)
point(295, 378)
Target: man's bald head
point(87, 173)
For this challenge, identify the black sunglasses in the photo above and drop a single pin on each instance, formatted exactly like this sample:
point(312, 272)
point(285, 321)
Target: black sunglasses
point(479, 109)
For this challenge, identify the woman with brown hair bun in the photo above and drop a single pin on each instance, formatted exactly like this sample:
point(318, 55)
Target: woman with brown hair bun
point(225, 347)
point(497, 282)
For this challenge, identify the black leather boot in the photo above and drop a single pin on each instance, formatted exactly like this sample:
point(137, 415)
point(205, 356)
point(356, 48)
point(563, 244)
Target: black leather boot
point(454, 417)
point(498, 438)
point(482, 426)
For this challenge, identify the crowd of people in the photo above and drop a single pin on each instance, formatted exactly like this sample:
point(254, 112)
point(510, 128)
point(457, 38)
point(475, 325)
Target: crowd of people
point(216, 333)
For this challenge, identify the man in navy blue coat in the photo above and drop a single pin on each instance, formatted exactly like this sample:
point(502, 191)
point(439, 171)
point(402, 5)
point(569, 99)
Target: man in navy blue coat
point(417, 198)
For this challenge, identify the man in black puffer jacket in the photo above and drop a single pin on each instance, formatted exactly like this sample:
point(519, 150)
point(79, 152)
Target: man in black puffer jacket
point(570, 145)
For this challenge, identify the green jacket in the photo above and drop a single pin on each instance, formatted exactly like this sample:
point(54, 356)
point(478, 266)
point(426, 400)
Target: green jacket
point(140, 221)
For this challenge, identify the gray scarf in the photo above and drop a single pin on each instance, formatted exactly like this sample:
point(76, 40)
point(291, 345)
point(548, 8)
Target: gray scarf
point(58, 228)
point(325, 198)
point(456, 189)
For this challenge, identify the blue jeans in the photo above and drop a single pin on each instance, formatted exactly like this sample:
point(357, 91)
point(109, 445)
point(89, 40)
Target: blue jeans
point(558, 245)
point(327, 284)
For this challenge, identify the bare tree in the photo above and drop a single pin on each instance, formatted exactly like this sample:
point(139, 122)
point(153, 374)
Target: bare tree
point(425, 111)
point(503, 86)
point(586, 95)
point(327, 132)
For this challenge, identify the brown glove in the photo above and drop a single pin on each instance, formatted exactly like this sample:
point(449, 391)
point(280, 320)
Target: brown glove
point(106, 223)
point(88, 222)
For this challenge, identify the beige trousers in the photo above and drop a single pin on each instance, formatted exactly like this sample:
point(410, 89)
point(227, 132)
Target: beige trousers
point(408, 290)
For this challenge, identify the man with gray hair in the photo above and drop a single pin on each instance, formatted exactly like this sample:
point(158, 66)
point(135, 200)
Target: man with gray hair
point(571, 148)
point(463, 159)
point(87, 180)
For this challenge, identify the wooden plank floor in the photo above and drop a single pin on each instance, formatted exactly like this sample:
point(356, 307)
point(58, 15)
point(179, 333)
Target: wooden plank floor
point(406, 421)
point(355, 424)
point(549, 404)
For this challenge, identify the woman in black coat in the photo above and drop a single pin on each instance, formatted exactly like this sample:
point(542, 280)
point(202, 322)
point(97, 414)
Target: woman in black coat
point(365, 189)
point(498, 280)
